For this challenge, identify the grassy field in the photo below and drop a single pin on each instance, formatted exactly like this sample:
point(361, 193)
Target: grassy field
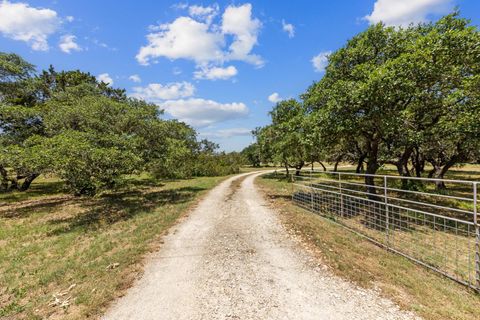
point(68, 257)
point(356, 259)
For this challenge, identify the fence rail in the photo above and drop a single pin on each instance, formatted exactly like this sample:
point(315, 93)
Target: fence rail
point(439, 230)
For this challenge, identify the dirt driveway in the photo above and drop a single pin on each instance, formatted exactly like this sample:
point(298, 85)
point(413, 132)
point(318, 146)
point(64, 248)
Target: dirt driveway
point(232, 259)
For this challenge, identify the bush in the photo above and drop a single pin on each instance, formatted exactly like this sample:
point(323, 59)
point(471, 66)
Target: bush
point(85, 166)
point(220, 164)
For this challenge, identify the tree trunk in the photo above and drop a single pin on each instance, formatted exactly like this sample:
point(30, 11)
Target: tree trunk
point(298, 168)
point(13, 184)
point(335, 167)
point(28, 181)
point(418, 163)
point(323, 166)
point(372, 167)
point(4, 177)
point(438, 174)
point(360, 163)
point(439, 171)
point(402, 166)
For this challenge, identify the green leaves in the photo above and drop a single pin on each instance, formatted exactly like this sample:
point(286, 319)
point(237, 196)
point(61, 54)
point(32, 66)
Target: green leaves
point(387, 93)
point(86, 166)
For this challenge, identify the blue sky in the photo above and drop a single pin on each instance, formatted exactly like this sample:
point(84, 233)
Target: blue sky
point(220, 66)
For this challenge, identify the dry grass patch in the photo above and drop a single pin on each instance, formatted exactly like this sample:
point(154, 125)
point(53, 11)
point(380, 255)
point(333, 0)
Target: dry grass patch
point(69, 257)
point(352, 257)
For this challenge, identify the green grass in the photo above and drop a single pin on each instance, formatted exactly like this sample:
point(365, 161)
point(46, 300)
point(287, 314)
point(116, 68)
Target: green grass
point(50, 241)
point(352, 257)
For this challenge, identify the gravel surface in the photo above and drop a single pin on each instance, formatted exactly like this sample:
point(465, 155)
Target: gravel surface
point(232, 259)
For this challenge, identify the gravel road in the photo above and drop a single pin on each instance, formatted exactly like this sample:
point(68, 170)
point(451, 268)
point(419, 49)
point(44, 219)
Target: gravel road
point(232, 259)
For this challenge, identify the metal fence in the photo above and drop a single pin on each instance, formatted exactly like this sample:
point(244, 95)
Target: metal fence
point(405, 215)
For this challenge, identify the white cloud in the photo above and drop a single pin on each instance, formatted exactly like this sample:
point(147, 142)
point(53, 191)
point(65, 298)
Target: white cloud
point(237, 21)
point(70, 18)
point(227, 133)
point(105, 77)
point(215, 73)
point(288, 28)
point(203, 13)
point(156, 92)
point(67, 44)
point(274, 97)
point(209, 45)
point(402, 13)
point(202, 113)
point(194, 111)
point(184, 38)
point(135, 78)
point(320, 61)
point(180, 6)
point(19, 21)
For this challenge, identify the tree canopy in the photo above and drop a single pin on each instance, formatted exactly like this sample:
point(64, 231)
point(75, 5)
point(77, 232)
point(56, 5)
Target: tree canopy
point(402, 96)
point(90, 134)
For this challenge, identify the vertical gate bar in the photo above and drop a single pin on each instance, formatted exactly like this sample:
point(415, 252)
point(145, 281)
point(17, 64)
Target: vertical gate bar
point(341, 194)
point(387, 222)
point(477, 236)
point(290, 180)
point(311, 190)
point(469, 255)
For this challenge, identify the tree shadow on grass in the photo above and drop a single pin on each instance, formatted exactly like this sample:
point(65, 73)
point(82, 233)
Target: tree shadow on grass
point(25, 208)
point(17, 205)
point(113, 208)
point(45, 188)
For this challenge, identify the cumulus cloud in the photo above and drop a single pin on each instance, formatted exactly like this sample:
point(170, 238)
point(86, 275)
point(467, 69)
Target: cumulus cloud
point(19, 21)
point(238, 21)
point(288, 28)
point(67, 43)
point(274, 97)
point(215, 73)
point(227, 133)
point(201, 113)
point(135, 78)
point(402, 13)
point(204, 13)
point(156, 92)
point(105, 77)
point(70, 18)
point(320, 61)
point(209, 45)
point(184, 38)
point(176, 99)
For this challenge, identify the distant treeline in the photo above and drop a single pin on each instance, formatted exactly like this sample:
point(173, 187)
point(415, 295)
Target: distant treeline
point(69, 124)
point(401, 96)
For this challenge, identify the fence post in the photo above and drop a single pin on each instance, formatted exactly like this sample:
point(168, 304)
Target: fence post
point(387, 218)
point(341, 194)
point(311, 191)
point(477, 235)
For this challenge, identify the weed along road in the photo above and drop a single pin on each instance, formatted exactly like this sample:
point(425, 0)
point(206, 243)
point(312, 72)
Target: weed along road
point(232, 259)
